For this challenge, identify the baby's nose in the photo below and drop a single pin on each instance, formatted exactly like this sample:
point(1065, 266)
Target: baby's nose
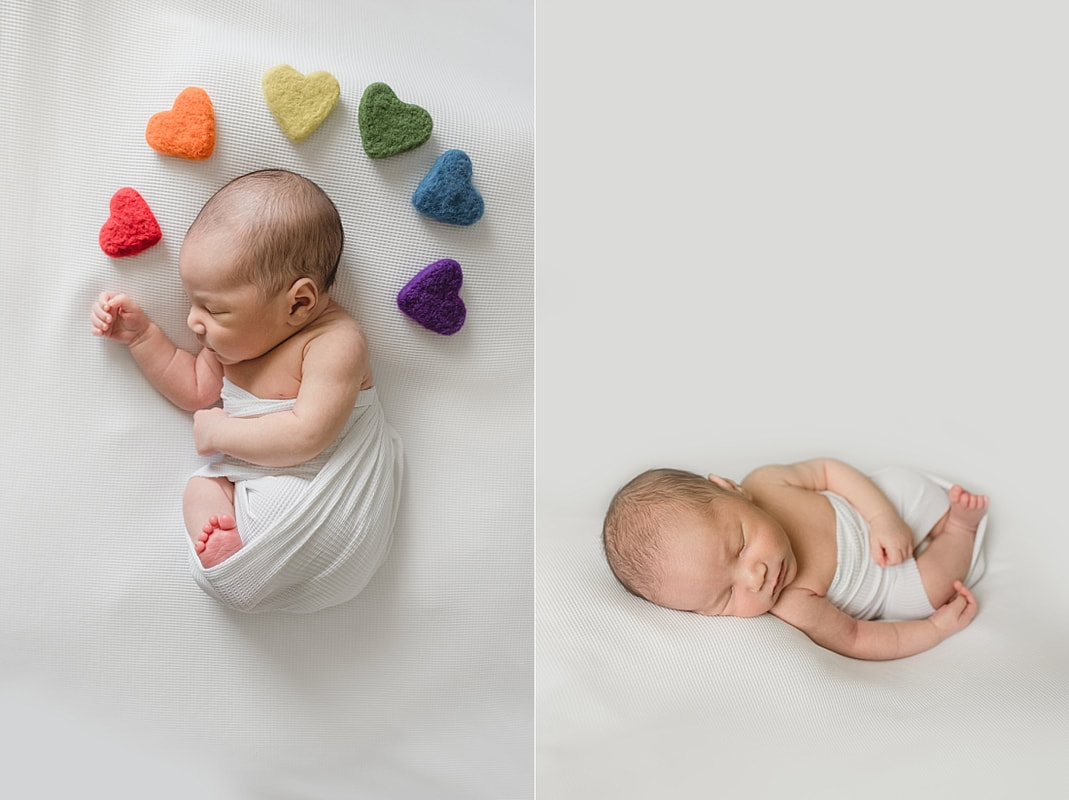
point(193, 322)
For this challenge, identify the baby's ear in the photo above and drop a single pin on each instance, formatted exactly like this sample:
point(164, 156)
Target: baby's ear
point(726, 484)
point(303, 297)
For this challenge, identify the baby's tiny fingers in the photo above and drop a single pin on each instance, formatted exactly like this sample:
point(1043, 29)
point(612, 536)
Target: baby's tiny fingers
point(115, 302)
point(962, 591)
point(889, 556)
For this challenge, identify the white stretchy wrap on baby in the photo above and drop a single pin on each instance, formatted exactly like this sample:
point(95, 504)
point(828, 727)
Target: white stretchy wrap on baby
point(313, 534)
point(864, 590)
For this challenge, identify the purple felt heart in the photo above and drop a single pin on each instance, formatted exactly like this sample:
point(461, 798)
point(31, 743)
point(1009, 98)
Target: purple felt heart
point(432, 297)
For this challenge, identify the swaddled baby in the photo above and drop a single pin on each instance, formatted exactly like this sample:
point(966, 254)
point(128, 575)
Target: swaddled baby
point(871, 567)
point(297, 511)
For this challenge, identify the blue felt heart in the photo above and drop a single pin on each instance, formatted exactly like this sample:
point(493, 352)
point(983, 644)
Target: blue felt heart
point(432, 297)
point(446, 192)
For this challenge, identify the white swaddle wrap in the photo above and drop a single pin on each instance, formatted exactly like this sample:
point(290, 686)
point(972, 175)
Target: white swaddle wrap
point(312, 534)
point(863, 589)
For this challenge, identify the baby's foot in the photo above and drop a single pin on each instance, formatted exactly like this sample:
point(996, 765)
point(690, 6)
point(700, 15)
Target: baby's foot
point(218, 541)
point(966, 510)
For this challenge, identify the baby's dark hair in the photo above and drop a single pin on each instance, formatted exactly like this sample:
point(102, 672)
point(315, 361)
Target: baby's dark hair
point(634, 530)
point(289, 227)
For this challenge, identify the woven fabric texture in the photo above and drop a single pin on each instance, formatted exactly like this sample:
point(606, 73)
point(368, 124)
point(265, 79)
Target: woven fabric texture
point(421, 686)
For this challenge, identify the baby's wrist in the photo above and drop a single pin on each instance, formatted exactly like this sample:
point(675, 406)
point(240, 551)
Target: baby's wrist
point(943, 632)
point(141, 336)
point(880, 514)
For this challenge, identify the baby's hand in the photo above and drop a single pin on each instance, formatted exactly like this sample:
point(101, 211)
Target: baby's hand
point(891, 539)
point(206, 423)
point(118, 317)
point(957, 613)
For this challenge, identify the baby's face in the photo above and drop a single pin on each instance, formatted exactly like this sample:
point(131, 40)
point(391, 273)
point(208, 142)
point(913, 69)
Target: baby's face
point(735, 562)
point(229, 317)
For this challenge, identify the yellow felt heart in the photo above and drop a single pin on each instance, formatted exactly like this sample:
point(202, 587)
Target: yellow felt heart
point(299, 102)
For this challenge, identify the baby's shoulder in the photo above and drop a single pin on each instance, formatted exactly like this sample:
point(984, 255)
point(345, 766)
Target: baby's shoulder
point(335, 344)
point(778, 486)
point(336, 327)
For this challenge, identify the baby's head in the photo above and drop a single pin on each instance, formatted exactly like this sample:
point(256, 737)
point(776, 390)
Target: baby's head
point(283, 225)
point(696, 544)
point(258, 262)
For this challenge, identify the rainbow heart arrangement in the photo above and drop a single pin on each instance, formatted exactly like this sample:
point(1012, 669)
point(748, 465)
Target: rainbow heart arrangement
point(300, 104)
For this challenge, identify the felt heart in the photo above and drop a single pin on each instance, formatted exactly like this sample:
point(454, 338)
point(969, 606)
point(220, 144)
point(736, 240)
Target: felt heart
point(299, 102)
point(432, 297)
point(446, 193)
point(187, 130)
point(389, 126)
point(131, 228)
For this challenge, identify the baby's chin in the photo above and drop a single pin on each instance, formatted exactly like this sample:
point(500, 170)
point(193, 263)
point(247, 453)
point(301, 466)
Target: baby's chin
point(222, 358)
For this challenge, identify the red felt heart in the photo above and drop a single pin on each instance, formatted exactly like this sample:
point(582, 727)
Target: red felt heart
point(131, 228)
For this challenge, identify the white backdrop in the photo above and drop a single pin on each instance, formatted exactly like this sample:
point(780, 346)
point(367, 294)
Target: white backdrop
point(780, 231)
point(117, 671)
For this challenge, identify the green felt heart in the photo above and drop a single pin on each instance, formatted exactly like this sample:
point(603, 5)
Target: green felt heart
point(389, 126)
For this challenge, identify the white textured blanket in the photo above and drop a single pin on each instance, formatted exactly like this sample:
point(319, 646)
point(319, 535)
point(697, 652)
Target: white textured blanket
point(314, 541)
point(421, 686)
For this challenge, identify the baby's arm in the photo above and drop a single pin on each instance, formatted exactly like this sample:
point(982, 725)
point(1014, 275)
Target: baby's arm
point(331, 377)
point(889, 535)
point(875, 640)
point(190, 382)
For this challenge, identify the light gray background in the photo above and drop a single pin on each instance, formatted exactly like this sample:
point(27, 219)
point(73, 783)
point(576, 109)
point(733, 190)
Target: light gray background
point(772, 231)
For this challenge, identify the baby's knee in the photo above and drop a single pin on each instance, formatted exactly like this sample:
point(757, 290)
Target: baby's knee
point(902, 485)
point(201, 485)
point(941, 589)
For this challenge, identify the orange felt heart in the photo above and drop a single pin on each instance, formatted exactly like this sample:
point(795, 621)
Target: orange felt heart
point(187, 130)
point(132, 226)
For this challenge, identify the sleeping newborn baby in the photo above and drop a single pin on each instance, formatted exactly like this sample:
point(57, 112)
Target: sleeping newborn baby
point(297, 510)
point(818, 544)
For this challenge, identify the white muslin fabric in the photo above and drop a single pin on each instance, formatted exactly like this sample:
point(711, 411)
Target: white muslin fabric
point(861, 587)
point(313, 534)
